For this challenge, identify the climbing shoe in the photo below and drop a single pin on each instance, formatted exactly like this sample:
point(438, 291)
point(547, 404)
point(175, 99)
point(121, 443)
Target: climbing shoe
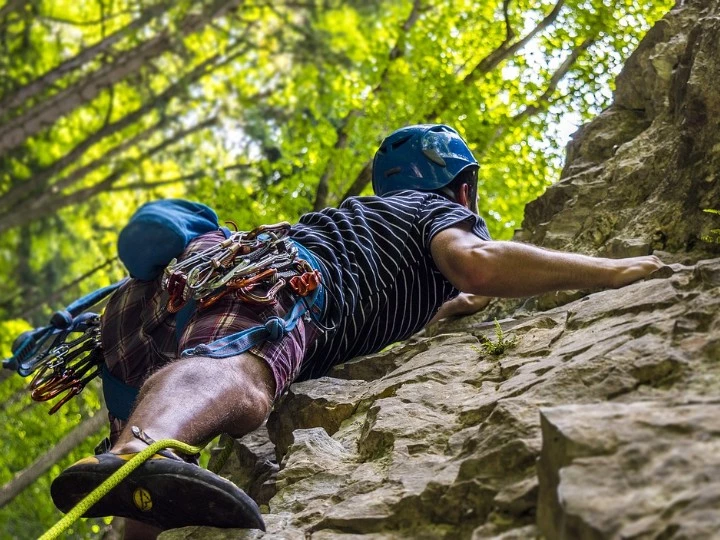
point(164, 492)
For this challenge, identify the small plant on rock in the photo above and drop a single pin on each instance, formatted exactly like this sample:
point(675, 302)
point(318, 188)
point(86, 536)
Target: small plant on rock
point(499, 346)
point(714, 236)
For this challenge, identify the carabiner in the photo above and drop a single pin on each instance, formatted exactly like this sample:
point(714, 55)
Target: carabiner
point(305, 283)
point(72, 392)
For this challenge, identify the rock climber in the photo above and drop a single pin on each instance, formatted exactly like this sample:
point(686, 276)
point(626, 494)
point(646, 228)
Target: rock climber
point(388, 264)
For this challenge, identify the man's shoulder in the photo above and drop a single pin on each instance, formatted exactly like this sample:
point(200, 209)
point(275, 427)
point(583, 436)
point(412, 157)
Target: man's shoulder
point(399, 197)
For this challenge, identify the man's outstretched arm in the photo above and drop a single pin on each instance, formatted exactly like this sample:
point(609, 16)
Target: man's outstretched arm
point(511, 269)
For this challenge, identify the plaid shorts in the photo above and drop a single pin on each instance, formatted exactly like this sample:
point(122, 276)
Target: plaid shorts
point(139, 335)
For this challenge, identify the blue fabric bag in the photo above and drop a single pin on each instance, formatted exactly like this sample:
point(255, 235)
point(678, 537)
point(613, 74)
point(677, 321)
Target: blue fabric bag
point(159, 231)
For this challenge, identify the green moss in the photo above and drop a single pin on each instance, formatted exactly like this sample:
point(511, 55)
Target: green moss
point(713, 237)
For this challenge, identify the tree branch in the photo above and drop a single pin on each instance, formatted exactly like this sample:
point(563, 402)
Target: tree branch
point(40, 179)
point(144, 184)
point(341, 140)
point(509, 32)
point(541, 103)
point(45, 81)
point(55, 296)
point(544, 100)
point(504, 51)
point(63, 20)
point(361, 180)
point(46, 200)
point(81, 172)
point(16, 397)
point(9, 7)
point(44, 114)
point(51, 202)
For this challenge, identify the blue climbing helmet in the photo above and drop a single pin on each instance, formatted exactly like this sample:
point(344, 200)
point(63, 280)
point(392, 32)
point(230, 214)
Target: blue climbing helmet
point(424, 157)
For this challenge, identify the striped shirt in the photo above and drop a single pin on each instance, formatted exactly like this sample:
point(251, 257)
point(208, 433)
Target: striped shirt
point(382, 284)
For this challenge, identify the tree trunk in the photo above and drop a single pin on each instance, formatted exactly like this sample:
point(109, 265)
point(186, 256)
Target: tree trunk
point(38, 182)
point(10, 6)
point(15, 397)
point(27, 476)
point(362, 180)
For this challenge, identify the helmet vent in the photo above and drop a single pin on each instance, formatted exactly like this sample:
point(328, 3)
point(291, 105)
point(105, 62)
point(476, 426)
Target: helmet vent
point(392, 171)
point(400, 142)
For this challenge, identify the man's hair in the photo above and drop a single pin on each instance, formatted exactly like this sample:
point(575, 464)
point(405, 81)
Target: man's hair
point(467, 176)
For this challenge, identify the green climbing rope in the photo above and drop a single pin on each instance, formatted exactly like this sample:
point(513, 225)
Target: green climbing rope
point(113, 480)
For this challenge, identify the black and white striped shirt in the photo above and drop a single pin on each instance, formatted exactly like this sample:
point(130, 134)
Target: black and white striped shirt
point(382, 283)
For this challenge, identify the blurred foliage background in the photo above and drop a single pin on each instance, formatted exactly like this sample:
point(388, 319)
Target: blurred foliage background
point(264, 110)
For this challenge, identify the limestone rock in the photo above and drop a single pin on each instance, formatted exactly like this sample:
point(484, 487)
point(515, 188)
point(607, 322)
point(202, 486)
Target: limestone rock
point(251, 464)
point(639, 177)
point(638, 470)
point(445, 444)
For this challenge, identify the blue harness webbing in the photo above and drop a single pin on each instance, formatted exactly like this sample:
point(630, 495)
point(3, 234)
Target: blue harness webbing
point(120, 397)
point(28, 353)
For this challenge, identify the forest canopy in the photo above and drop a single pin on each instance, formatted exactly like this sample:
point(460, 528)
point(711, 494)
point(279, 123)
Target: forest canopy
point(263, 110)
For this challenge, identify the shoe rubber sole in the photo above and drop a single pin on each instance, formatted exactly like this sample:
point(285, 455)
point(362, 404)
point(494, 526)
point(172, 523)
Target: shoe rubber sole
point(163, 492)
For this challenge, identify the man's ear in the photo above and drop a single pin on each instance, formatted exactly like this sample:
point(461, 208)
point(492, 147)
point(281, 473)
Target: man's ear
point(463, 196)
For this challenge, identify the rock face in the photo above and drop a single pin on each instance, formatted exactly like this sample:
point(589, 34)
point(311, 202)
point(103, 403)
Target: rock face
point(630, 470)
point(603, 421)
point(639, 177)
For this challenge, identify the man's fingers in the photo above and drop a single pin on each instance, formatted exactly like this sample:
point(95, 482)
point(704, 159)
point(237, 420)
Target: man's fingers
point(636, 268)
point(663, 272)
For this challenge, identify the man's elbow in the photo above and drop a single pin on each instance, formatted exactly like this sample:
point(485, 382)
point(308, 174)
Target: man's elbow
point(476, 276)
point(479, 284)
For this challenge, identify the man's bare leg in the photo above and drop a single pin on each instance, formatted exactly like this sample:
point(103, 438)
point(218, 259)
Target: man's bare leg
point(197, 398)
point(193, 400)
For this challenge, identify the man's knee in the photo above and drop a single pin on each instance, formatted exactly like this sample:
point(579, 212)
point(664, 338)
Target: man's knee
point(255, 380)
point(244, 383)
point(248, 392)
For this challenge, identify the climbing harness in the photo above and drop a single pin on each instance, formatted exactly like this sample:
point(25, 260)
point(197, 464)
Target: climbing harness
point(253, 266)
point(243, 264)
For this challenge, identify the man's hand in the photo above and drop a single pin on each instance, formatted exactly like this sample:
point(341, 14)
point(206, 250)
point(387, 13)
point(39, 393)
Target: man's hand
point(462, 304)
point(633, 269)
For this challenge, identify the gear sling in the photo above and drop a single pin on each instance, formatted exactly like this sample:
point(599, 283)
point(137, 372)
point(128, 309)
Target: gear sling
point(243, 264)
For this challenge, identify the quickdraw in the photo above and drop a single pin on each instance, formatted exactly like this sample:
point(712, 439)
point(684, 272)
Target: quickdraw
point(64, 360)
point(254, 266)
point(69, 367)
